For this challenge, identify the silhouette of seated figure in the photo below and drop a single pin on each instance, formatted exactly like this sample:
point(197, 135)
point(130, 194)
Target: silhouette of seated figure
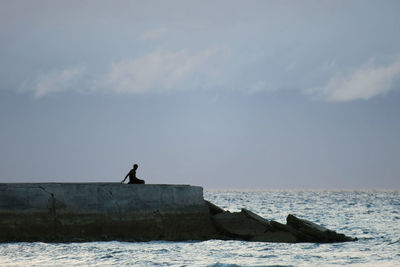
point(132, 176)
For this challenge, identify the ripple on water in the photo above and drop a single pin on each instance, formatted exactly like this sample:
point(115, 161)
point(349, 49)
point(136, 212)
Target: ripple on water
point(369, 215)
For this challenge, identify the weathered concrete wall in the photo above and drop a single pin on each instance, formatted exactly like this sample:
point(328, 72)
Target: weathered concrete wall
point(102, 211)
point(98, 197)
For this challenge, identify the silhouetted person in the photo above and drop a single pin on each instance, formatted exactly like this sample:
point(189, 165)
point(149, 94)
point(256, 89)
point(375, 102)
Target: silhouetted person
point(132, 176)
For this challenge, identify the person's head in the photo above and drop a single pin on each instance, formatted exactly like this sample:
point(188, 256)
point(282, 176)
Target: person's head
point(135, 166)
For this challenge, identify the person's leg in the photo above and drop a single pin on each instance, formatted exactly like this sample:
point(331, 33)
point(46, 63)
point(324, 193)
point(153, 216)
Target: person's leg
point(139, 181)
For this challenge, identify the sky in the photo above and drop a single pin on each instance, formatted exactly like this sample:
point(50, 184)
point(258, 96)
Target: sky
point(220, 94)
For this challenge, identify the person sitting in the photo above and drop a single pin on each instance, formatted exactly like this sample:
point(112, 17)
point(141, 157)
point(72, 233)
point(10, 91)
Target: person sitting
point(132, 176)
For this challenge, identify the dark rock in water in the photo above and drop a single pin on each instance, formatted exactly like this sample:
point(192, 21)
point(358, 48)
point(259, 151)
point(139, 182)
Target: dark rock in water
point(246, 225)
point(297, 235)
point(214, 209)
point(313, 232)
point(242, 225)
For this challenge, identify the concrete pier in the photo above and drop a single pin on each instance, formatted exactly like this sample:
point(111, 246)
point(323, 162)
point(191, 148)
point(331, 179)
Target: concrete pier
point(102, 211)
point(74, 212)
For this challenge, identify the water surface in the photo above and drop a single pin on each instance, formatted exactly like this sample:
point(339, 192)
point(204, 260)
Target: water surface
point(372, 216)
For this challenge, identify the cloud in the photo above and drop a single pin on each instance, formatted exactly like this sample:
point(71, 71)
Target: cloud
point(261, 86)
point(165, 71)
point(159, 71)
point(365, 82)
point(59, 80)
point(153, 34)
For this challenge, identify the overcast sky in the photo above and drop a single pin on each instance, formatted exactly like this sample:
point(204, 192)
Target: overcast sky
point(221, 94)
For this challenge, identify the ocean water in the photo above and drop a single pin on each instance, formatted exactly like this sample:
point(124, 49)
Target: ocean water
point(372, 216)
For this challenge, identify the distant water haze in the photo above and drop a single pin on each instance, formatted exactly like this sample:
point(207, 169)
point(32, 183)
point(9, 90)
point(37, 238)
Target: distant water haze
point(259, 95)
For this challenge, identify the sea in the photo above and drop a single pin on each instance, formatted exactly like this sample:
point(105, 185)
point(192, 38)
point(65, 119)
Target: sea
point(373, 216)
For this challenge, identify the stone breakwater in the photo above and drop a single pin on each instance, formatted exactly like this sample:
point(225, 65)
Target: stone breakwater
point(74, 212)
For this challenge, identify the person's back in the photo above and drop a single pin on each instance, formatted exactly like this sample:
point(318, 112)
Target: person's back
point(133, 179)
point(132, 176)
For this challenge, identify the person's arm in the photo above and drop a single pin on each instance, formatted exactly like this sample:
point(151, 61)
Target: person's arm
point(125, 177)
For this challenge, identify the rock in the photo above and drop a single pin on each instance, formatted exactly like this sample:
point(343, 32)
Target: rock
point(299, 236)
point(278, 236)
point(246, 225)
point(314, 232)
point(243, 225)
point(270, 234)
point(256, 217)
point(214, 209)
